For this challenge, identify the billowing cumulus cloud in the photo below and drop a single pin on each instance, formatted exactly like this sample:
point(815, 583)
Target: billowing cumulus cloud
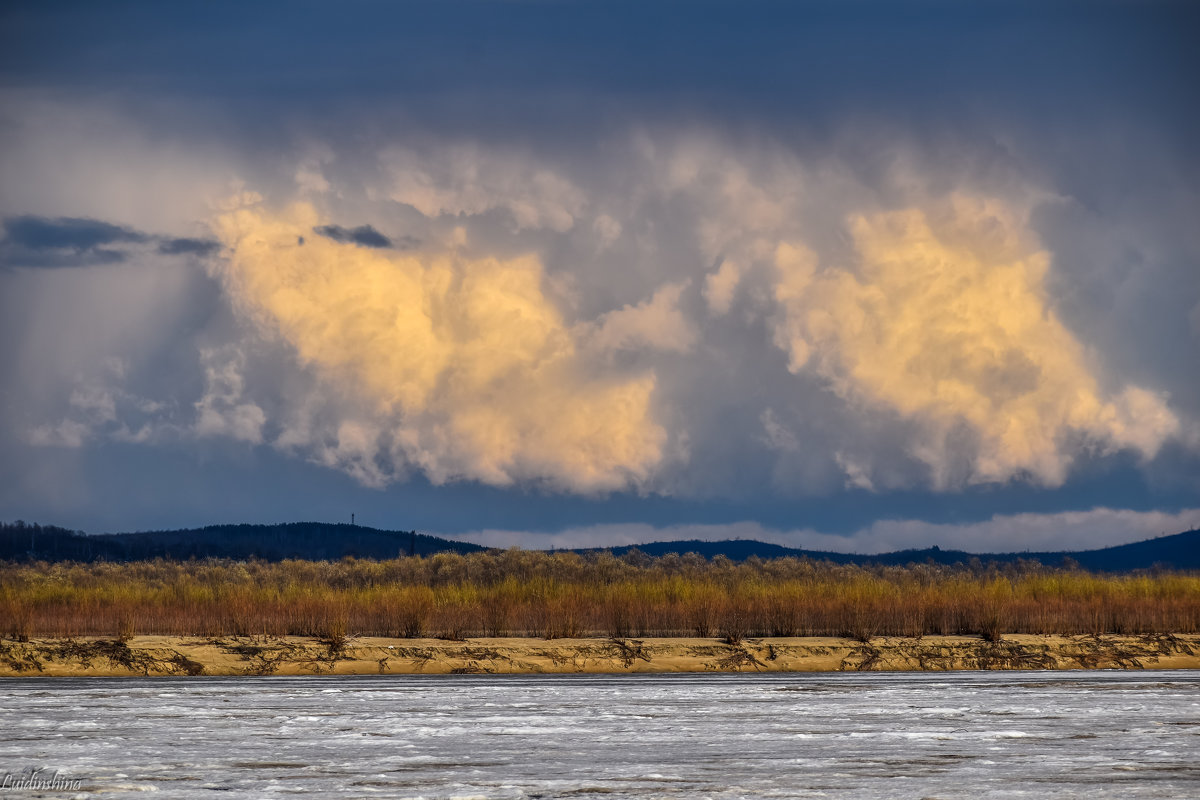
point(99, 408)
point(460, 366)
point(944, 319)
point(719, 287)
point(567, 251)
point(675, 313)
point(467, 180)
point(222, 410)
point(656, 324)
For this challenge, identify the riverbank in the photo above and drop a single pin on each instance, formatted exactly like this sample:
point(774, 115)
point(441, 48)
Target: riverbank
point(175, 655)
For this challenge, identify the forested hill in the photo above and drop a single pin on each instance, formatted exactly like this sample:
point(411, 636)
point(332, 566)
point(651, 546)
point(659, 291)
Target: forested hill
point(307, 540)
point(325, 541)
point(1180, 551)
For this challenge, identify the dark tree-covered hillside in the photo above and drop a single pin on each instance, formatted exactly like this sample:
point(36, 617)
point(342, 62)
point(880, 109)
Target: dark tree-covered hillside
point(1180, 551)
point(318, 541)
point(315, 541)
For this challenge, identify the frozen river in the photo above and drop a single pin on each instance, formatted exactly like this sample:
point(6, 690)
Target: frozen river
point(944, 735)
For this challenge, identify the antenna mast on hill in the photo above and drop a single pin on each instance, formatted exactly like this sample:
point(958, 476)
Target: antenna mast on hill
point(351, 517)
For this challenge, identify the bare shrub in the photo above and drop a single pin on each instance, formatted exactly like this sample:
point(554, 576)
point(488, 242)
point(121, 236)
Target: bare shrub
point(566, 594)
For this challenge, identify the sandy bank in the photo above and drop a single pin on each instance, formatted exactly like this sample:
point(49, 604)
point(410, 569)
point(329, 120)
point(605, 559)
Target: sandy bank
point(174, 655)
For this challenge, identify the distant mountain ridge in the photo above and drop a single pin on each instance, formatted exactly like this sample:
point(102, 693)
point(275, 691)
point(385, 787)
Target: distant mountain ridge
point(331, 541)
point(1178, 551)
point(316, 541)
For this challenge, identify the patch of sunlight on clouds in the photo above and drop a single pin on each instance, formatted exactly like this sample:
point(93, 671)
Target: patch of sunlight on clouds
point(945, 320)
point(464, 367)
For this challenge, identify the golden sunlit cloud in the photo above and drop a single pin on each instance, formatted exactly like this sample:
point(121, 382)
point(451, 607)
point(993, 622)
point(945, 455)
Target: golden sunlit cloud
point(945, 321)
point(542, 322)
point(461, 367)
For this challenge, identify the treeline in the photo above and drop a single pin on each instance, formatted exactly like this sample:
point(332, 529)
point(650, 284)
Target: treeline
point(21, 541)
point(320, 541)
point(533, 593)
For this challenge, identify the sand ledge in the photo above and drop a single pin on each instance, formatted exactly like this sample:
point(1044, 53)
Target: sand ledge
point(181, 655)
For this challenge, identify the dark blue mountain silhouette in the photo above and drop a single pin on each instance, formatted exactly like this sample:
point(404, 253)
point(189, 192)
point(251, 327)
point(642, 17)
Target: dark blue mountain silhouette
point(326, 541)
point(316, 541)
point(1180, 551)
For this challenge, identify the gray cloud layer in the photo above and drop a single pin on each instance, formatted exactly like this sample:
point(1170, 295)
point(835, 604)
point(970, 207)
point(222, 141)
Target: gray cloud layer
point(802, 256)
point(745, 316)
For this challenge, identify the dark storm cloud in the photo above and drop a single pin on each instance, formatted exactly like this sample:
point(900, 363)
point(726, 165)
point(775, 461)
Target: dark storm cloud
point(72, 233)
point(31, 241)
point(1091, 102)
point(363, 235)
point(49, 242)
point(573, 61)
point(192, 247)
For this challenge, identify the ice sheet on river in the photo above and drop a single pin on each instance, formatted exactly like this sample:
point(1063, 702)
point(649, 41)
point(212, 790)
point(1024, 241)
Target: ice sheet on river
point(944, 735)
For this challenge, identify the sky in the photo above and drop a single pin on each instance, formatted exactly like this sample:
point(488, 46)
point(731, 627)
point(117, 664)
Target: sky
point(854, 276)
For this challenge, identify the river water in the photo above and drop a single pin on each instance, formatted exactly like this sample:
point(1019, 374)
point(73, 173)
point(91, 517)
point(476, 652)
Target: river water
point(873, 735)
